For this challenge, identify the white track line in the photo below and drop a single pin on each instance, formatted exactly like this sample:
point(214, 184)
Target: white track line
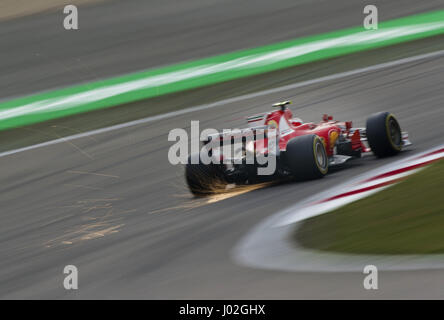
point(230, 100)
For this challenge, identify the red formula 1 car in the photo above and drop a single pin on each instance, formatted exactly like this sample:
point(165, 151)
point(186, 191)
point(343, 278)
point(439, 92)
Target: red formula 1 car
point(303, 150)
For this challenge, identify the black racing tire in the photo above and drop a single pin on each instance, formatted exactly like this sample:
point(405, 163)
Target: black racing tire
point(384, 134)
point(306, 157)
point(203, 179)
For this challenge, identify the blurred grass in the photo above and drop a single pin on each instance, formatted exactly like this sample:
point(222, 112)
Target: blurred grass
point(407, 218)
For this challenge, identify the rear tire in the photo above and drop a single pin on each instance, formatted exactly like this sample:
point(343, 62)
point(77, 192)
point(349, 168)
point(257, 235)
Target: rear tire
point(203, 179)
point(384, 134)
point(306, 157)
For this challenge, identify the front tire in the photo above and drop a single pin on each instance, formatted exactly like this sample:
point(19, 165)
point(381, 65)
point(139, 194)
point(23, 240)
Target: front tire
point(384, 134)
point(306, 157)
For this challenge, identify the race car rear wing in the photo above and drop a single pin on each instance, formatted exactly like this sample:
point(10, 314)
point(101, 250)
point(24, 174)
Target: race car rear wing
point(238, 135)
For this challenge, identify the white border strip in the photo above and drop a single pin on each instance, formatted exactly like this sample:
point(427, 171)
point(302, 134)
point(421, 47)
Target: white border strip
point(251, 61)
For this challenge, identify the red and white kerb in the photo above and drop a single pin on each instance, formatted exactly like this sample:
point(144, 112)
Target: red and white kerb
point(375, 181)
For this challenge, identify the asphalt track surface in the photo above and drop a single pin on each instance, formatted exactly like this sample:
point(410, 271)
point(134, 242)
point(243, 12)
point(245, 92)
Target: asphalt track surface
point(116, 37)
point(112, 205)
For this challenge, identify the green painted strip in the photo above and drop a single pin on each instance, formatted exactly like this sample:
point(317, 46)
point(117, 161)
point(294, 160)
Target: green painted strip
point(183, 76)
